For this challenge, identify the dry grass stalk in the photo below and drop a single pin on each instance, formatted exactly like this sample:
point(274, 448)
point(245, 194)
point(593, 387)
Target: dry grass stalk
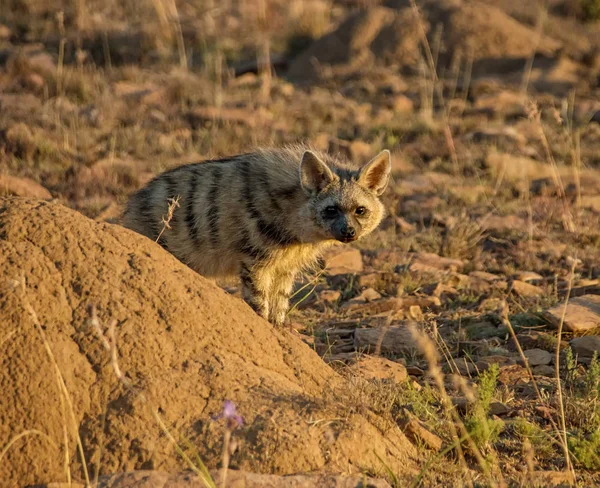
point(562, 438)
point(166, 219)
point(264, 50)
point(569, 465)
point(429, 351)
point(539, 30)
point(431, 62)
point(65, 397)
point(535, 115)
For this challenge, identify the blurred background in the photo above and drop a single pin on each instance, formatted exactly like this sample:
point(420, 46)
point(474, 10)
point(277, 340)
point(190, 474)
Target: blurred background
point(97, 96)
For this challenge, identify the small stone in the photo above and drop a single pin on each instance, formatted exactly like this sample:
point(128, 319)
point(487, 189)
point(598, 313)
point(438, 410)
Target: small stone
point(528, 276)
point(483, 275)
point(5, 32)
point(423, 261)
point(385, 306)
point(372, 367)
point(466, 367)
point(415, 313)
point(513, 375)
point(525, 289)
point(369, 279)
point(396, 339)
point(343, 261)
point(482, 330)
point(403, 226)
point(402, 104)
point(544, 370)
point(485, 362)
point(537, 357)
point(368, 295)
point(22, 187)
point(330, 296)
point(586, 346)
point(432, 302)
point(553, 479)
point(415, 371)
point(583, 313)
point(418, 433)
point(499, 408)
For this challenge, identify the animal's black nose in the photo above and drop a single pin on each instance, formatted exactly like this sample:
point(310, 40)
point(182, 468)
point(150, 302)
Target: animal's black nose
point(348, 232)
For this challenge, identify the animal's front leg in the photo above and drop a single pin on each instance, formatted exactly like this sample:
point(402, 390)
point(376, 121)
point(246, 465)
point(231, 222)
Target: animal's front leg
point(255, 287)
point(279, 298)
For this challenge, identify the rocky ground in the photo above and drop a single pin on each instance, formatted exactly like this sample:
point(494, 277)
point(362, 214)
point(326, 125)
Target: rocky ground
point(476, 307)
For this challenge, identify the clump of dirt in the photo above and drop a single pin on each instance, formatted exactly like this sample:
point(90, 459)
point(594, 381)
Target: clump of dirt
point(183, 343)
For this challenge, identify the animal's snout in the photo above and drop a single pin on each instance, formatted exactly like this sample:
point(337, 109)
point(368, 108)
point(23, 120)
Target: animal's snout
point(348, 232)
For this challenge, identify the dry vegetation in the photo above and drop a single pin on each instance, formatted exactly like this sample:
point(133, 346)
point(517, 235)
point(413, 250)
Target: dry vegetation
point(492, 112)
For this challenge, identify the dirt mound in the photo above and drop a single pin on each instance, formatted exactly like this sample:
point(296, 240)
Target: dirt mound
point(391, 35)
point(365, 37)
point(185, 346)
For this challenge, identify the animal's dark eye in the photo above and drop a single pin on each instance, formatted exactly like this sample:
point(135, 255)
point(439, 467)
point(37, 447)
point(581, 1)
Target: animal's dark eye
point(330, 212)
point(360, 210)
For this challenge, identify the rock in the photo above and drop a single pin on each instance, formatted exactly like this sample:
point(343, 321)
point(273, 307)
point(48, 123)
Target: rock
point(5, 32)
point(553, 479)
point(415, 371)
point(525, 289)
point(155, 302)
point(586, 346)
point(484, 362)
point(497, 136)
point(544, 370)
point(513, 375)
point(485, 276)
point(343, 260)
point(20, 105)
point(426, 261)
point(534, 339)
point(528, 276)
point(396, 339)
point(403, 225)
point(504, 102)
point(417, 432)
point(499, 408)
point(503, 223)
point(466, 367)
point(431, 302)
point(372, 367)
point(381, 306)
point(235, 479)
point(583, 313)
point(368, 295)
point(330, 296)
point(536, 357)
point(22, 187)
point(483, 330)
point(370, 279)
point(402, 104)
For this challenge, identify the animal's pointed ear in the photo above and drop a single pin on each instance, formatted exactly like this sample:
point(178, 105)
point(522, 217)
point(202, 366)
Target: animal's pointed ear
point(375, 175)
point(314, 173)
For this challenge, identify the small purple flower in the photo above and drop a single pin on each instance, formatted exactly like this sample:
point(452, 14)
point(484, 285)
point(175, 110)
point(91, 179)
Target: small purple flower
point(229, 413)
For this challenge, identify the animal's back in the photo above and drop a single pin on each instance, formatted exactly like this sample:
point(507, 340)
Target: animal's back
point(228, 209)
